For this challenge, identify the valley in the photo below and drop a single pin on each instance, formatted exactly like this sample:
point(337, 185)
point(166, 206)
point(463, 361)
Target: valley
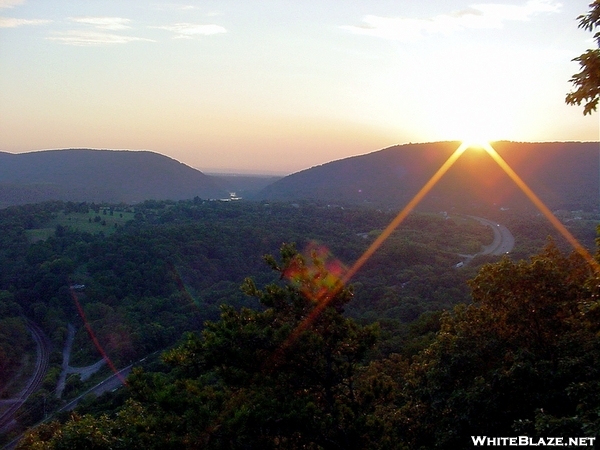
point(114, 286)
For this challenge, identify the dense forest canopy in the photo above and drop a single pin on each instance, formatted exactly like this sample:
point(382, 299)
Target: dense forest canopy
point(139, 277)
point(176, 262)
point(522, 359)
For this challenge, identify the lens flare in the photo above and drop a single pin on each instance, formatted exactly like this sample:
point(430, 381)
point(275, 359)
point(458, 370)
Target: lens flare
point(405, 212)
point(326, 288)
point(325, 296)
point(542, 207)
point(95, 339)
point(317, 275)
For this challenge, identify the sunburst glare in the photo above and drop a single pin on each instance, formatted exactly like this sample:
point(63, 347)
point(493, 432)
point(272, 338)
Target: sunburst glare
point(540, 205)
point(325, 292)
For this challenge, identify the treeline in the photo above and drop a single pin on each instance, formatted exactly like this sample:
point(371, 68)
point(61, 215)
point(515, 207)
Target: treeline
point(170, 268)
point(523, 359)
point(139, 286)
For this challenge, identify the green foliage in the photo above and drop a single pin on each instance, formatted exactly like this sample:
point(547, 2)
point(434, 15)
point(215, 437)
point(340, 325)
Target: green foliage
point(168, 270)
point(520, 359)
point(127, 431)
point(587, 81)
point(14, 341)
point(284, 366)
point(283, 376)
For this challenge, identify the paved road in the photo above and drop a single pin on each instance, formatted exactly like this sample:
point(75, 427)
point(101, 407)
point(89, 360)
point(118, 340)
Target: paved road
point(84, 372)
point(60, 386)
point(111, 383)
point(503, 242)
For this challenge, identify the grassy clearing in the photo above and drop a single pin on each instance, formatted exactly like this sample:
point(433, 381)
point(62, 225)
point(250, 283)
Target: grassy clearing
point(92, 222)
point(40, 234)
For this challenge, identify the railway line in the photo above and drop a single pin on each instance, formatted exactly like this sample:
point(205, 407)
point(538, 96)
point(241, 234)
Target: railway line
point(35, 381)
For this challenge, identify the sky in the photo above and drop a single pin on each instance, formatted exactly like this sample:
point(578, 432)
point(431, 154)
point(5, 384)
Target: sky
point(277, 86)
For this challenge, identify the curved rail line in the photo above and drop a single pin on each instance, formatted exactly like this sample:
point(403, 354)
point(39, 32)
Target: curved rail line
point(35, 381)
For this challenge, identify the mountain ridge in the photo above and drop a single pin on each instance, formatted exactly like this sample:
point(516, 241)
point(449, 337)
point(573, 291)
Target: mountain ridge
point(100, 175)
point(563, 174)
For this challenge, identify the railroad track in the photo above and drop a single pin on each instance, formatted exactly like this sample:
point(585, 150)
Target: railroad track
point(35, 381)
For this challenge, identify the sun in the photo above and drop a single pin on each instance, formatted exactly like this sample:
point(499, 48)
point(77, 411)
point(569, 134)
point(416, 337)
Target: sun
point(478, 143)
point(475, 121)
point(479, 132)
point(476, 130)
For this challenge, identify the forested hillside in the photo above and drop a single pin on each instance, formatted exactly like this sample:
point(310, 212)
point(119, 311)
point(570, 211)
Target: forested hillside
point(392, 176)
point(177, 262)
point(101, 176)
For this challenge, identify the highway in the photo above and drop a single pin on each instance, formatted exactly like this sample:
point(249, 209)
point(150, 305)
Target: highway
point(503, 242)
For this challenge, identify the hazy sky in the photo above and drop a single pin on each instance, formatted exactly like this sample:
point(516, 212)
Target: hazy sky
point(279, 86)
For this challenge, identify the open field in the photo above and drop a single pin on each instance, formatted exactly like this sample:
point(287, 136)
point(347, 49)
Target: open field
point(105, 221)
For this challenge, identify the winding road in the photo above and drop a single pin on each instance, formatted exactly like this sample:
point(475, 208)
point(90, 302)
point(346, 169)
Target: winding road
point(503, 242)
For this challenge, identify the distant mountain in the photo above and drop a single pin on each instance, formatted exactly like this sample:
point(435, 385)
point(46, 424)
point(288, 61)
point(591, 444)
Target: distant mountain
point(565, 175)
point(100, 176)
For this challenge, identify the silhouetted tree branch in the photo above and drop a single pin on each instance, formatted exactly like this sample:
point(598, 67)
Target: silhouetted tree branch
point(587, 81)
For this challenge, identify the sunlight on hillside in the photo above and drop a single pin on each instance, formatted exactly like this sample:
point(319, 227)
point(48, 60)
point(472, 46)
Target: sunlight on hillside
point(326, 293)
point(542, 207)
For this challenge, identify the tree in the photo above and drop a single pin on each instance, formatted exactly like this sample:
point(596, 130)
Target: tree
point(521, 360)
point(284, 376)
point(587, 81)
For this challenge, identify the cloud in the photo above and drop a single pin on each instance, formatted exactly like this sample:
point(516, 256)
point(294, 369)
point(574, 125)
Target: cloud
point(103, 23)
point(10, 3)
point(497, 13)
point(189, 30)
point(85, 38)
point(175, 6)
point(93, 38)
point(9, 22)
point(477, 16)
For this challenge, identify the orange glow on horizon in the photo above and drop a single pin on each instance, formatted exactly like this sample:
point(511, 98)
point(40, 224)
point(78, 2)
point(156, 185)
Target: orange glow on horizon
point(476, 143)
point(336, 284)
